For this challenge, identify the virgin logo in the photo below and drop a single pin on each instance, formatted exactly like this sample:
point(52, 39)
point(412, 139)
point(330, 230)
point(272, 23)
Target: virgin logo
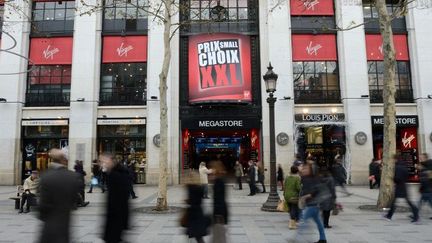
point(380, 49)
point(406, 141)
point(313, 49)
point(310, 4)
point(49, 53)
point(123, 51)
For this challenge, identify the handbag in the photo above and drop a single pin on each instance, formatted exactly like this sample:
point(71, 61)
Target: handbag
point(293, 200)
point(282, 206)
point(302, 203)
point(94, 181)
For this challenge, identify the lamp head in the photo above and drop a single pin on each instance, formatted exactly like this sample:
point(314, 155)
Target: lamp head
point(270, 79)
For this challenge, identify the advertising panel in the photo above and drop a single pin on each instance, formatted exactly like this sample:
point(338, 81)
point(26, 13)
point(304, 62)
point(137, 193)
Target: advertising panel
point(314, 47)
point(374, 47)
point(51, 51)
point(120, 49)
point(219, 68)
point(312, 7)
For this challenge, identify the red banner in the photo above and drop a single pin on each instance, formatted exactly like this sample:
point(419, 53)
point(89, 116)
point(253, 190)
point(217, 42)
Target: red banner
point(219, 68)
point(314, 47)
point(312, 7)
point(51, 51)
point(374, 47)
point(124, 49)
point(408, 138)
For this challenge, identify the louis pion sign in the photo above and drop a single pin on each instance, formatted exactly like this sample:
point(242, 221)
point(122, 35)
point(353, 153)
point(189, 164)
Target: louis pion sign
point(334, 117)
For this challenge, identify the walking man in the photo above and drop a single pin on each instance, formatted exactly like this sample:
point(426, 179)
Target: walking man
point(251, 178)
point(239, 174)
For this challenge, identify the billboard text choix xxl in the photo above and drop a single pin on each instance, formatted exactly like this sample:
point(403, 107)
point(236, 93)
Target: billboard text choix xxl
point(219, 68)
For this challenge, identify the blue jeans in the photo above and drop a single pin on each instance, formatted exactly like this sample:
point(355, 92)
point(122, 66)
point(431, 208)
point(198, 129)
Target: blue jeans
point(314, 213)
point(427, 197)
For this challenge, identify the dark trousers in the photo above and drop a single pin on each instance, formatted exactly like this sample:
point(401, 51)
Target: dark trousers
point(294, 211)
point(26, 197)
point(414, 209)
point(425, 197)
point(131, 190)
point(326, 217)
point(263, 186)
point(376, 183)
point(252, 187)
point(239, 182)
point(205, 190)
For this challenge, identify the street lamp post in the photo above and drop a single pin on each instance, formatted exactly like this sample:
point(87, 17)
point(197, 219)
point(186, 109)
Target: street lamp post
point(270, 79)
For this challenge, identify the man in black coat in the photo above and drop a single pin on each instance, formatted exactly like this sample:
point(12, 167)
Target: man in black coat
point(117, 214)
point(400, 179)
point(58, 191)
point(251, 178)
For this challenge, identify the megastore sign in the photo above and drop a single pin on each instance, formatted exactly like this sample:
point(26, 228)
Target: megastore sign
point(208, 124)
point(400, 120)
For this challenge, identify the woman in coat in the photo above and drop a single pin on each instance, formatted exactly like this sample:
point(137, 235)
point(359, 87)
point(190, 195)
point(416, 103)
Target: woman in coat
point(329, 203)
point(280, 176)
point(292, 188)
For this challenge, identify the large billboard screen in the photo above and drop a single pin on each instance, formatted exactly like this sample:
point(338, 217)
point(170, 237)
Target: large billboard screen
point(219, 68)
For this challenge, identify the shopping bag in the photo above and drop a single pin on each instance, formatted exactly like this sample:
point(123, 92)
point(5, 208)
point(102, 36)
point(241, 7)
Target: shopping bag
point(94, 181)
point(282, 206)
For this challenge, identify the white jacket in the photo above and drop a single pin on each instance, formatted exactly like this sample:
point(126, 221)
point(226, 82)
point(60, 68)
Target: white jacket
point(203, 171)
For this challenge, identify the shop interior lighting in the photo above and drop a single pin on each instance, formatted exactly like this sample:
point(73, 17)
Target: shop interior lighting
point(305, 110)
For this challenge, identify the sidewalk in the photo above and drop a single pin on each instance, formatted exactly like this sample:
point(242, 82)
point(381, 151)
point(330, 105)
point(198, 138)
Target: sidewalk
point(247, 222)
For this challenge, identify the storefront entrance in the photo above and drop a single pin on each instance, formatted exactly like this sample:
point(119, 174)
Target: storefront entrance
point(322, 143)
point(39, 136)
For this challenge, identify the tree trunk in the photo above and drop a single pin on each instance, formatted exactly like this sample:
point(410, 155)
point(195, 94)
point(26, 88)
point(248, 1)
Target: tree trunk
point(163, 150)
point(389, 148)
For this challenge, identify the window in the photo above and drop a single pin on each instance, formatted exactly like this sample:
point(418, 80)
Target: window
point(123, 84)
point(125, 16)
point(1, 17)
point(404, 93)
point(48, 85)
point(369, 10)
point(316, 82)
point(221, 16)
point(370, 14)
point(53, 18)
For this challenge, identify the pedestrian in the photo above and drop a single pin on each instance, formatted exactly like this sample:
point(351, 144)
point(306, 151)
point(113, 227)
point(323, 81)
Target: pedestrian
point(79, 169)
point(340, 176)
point(400, 179)
point(31, 190)
point(425, 175)
point(329, 203)
point(96, 177)
point(292, 186)
point(58, 191)
point(374, 174)
point(132, 178)
point(310, 197)
point(260, 171)
point(220, 209)
point(280, 176)
point(251, 178)
point(194, 220)
point(238, 168)
point(117, 210)
point(204, 172)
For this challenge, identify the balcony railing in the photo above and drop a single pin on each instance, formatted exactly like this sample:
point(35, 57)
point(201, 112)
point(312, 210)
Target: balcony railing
point(47, 99)
point(117, 97)
point(317, 96)
point(402, 96)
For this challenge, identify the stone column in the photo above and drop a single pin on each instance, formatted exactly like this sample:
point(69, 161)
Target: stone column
point(354, 83)
point(418, 21)
point(12, 88)
point(275, 38)
point(85, 84)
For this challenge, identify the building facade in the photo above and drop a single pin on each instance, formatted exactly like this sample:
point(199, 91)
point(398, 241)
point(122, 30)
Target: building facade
point(88, 83)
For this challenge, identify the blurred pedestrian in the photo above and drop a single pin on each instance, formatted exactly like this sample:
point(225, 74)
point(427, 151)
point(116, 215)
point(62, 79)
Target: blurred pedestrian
point(79, 169)
point(58, 191)
point(259, 167)
point(340, 175)
point(400, 179)
point(297, 160)
point(132, 178)
point(328, 204)
point(239, 174)
point(96, 177)
point(311, 196)
point(251, 178)
point(204, 172)
point(374, 174)
point(425, 175)
point(220, 209)
point(194, 220)
point(31, 190)
point(117, 210)
point(280, 176)
point(292, 186)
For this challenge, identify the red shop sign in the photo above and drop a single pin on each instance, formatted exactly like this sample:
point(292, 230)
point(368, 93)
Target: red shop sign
point(374, 47)
point(314, 47)
point(124, 49)
point(51, 51)
point(408, 138)
point(312, 7)
point(219, 68)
